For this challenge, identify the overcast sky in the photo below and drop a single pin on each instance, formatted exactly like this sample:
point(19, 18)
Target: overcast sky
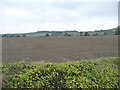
point(21, 16)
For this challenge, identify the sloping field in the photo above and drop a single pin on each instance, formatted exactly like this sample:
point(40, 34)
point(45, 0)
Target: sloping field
point(58, 49)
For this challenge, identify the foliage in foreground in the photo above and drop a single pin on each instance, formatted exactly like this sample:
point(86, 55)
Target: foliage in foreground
point(84, 74)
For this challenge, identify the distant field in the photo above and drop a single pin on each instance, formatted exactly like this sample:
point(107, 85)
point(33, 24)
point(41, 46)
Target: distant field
point(58, 49)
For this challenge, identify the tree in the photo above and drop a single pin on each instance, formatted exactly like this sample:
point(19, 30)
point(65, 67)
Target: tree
point(86, 34)
point(47, 35)
point(66, 34)
point(106, 33)
point(17, 35)
point(117, 31)
point(81, 33)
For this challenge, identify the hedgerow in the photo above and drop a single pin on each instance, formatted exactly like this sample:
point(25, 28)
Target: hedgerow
point(77, 74)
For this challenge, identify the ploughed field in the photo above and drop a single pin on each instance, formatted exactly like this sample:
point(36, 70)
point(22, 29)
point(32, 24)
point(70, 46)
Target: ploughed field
point(58, 49)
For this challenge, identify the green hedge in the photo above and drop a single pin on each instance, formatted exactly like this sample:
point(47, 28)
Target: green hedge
point(84, 74)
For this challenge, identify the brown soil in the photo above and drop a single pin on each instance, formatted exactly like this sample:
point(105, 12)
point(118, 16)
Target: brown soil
point(58, 49)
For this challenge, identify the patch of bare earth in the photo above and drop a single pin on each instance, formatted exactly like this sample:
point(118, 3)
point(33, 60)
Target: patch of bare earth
point(58, 49)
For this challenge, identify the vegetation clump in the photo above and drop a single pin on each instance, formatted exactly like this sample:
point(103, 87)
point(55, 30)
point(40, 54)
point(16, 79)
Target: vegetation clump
point(77, 74)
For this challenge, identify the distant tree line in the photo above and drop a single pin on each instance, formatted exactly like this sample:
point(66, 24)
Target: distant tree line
point(114, 31)
point(13, 35)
